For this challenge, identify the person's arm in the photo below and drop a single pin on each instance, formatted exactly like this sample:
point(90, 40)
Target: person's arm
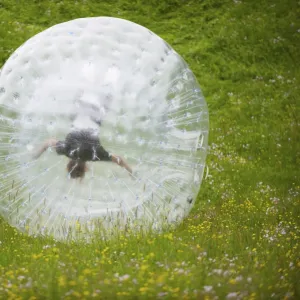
point(121, 162)
point(45, 146)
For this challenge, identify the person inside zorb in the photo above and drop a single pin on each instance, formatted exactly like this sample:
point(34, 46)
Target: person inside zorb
point(81, 146)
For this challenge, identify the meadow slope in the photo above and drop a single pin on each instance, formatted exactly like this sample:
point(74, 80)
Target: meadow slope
point(241, 240)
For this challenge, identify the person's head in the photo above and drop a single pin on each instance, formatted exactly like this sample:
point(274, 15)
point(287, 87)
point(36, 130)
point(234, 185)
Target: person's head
point(76, 168)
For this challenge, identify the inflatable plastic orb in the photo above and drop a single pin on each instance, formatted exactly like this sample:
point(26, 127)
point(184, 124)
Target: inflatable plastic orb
point(124, 81)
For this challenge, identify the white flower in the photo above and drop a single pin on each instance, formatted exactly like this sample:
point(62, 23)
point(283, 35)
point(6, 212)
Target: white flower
point(162, 294)
point(21, 277)
point(217, 271)
point(232, 295)
point(208, 288)
point(124, 277)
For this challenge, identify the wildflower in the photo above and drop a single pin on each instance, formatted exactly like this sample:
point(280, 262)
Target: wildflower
point(226, 273)
point(62, 280)
point(76, 294)
point(208, 288)
point(162, 294)
point(144, 267)
point(21, 277)
point(36, 256)
point(144, 289)
point(232, 295)
point(122, 294)
point(124, 277)
point(161, 278)
point(217, 271)
point(169, 236)
point(87, 271)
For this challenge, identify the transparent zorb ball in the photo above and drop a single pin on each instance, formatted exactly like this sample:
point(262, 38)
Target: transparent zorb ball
point(141, 98)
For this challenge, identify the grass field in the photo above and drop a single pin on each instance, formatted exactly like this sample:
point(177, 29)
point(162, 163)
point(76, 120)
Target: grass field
point(241, 240)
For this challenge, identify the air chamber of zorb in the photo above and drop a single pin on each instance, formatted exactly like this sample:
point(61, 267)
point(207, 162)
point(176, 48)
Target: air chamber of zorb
point(145, 104)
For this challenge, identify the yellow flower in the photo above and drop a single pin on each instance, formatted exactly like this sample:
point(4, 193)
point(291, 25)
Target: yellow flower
point(36, 256)
point(144, 267)
point(176, 290)
point(72, 283)
point(232, 281)
point(87, 271)
point(169, 236)
point(76, 294)
point(122, 294)
point(62, 280)
point(161, 278)
point(143, 289)
point(105, 250)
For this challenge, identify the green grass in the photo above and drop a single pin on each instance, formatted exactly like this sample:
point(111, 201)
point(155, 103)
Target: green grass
point(242, 238)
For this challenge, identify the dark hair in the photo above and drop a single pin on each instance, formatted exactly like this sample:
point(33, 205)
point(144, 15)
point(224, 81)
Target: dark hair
point(60, 148)
point(76, 168)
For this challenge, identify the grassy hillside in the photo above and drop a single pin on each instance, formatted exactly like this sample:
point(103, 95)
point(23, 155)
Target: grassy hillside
point(241, 240)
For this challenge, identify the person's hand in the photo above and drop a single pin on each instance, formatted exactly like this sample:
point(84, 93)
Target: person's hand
point(49, 143)
point(121, 162)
